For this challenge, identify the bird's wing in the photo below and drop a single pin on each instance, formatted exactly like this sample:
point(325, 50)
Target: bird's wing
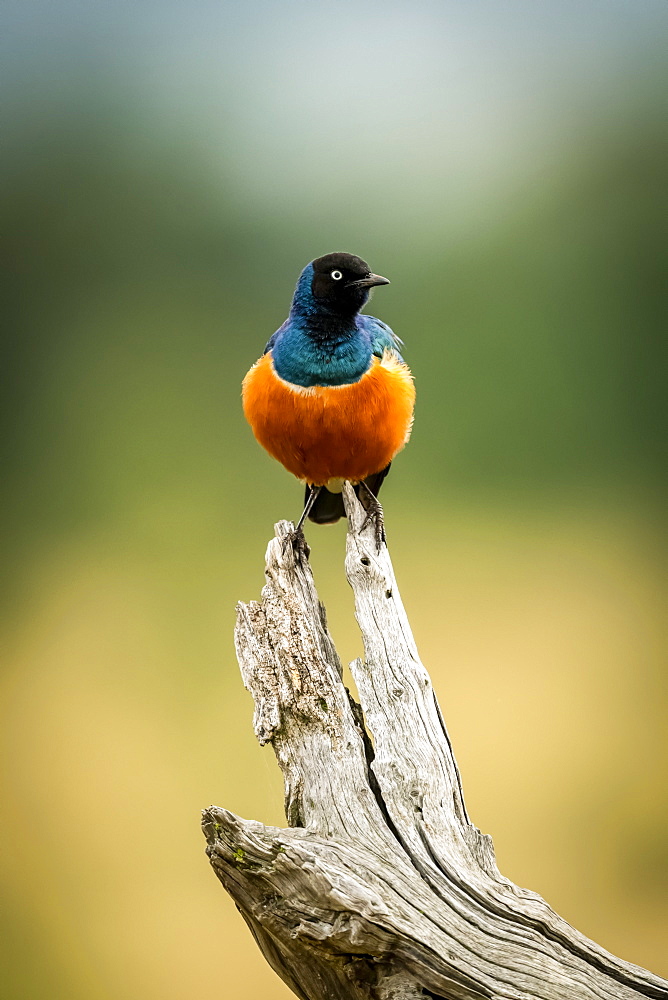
point(272, 340)
point(382, 337)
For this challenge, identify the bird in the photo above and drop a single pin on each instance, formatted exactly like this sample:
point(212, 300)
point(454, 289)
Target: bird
point(331, 397)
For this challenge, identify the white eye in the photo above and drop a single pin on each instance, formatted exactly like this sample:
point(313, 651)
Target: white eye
point(336, 275)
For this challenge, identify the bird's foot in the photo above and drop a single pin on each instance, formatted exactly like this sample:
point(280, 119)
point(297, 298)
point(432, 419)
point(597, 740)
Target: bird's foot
point(374, 515)
point(296, 540)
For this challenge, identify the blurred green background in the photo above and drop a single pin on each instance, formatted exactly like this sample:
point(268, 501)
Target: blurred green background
point(168, 169)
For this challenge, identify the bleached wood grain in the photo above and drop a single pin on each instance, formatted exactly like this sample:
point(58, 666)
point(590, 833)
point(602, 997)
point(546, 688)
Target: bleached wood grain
point(380, 887)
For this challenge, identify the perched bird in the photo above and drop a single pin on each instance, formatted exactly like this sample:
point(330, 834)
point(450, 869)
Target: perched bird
point(331, 397)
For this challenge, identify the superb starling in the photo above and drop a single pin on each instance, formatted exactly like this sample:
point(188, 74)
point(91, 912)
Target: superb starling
point(331, 397)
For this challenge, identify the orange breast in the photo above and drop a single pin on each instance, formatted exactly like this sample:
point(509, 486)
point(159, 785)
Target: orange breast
point(332, 432)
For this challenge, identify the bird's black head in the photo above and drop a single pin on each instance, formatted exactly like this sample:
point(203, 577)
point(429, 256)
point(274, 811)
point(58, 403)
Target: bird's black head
point(342, 281)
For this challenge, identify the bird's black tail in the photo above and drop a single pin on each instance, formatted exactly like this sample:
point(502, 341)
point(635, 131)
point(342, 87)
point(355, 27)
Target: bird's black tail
point(328, 507)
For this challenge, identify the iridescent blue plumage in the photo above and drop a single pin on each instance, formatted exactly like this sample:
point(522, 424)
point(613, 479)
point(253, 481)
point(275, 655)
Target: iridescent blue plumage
point(319, 344)
point(383, 338)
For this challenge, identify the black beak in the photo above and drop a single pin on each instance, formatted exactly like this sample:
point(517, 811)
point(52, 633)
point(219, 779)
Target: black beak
point(369, 281)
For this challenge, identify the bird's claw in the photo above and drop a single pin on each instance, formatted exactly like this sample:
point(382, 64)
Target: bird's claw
point(297, 541)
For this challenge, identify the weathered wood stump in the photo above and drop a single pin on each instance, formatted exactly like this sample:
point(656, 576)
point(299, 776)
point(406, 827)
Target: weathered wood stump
point(381, 887)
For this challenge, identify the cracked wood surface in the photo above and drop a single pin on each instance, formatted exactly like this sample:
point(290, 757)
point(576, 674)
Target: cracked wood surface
point(380, 888)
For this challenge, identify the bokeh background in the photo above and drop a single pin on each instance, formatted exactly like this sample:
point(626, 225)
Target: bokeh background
point(168, 168)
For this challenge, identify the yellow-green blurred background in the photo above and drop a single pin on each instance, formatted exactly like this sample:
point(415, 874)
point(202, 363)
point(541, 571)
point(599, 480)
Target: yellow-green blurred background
point(168, 168)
